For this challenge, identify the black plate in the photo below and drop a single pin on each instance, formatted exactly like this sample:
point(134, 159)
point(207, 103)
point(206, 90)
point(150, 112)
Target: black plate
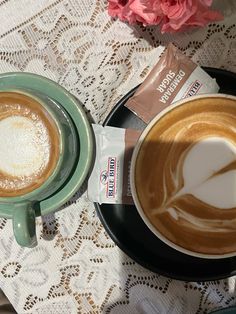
point(128, 231)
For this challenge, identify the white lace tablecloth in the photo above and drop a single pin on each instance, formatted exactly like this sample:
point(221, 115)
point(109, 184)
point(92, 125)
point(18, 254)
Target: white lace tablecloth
point(76, 267)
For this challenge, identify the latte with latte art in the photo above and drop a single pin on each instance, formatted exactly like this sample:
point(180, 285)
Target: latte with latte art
point(185, 176)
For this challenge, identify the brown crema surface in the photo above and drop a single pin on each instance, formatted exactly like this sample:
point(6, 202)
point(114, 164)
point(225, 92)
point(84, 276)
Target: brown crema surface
point(195, 226)
point(13, 104)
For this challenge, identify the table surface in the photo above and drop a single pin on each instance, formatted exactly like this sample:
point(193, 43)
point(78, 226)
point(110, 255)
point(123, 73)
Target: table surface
point(76, 268)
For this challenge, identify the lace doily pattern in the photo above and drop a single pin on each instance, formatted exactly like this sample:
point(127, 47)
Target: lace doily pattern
point(76, 268)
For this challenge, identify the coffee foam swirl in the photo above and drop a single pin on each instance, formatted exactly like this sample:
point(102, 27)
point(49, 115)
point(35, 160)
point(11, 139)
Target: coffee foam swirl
point(26, 145)
point(188, 164)
point(26, 151)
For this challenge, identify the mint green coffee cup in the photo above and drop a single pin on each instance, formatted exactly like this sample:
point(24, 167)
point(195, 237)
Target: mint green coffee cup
point(64, 155)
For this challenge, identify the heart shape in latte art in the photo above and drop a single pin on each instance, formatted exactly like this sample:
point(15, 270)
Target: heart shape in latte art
point(205, 176)
point(208, 173)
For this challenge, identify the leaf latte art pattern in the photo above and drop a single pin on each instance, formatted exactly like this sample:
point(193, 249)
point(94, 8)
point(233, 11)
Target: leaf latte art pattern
point(188, 164)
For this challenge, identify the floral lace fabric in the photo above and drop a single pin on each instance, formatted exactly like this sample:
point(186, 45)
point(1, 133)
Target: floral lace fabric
point(76, 267)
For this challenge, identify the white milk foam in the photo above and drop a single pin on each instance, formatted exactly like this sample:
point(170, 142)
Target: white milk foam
point(200, 168)
point(25, 146)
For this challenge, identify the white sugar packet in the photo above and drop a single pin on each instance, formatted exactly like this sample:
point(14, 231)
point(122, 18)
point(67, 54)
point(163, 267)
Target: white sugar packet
point(109, 180)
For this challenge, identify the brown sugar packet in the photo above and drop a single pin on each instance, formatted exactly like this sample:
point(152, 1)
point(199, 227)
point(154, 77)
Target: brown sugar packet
point(175, 76)
point(109, 182)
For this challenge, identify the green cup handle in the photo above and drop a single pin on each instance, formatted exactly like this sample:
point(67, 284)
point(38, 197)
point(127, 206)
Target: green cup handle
point(24, 225)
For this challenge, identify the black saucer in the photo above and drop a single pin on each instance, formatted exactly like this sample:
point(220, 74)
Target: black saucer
point(128, 231)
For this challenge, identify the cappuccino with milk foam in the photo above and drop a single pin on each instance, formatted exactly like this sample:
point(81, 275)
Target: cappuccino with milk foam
point(29, 144)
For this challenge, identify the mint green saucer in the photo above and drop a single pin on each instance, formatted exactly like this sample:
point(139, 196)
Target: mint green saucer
point(73, 107)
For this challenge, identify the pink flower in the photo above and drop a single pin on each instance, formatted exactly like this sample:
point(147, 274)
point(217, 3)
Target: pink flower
point(132, 11)
point(172, 15)
point(178, 14)
point(147, 12)
point(120, 9)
